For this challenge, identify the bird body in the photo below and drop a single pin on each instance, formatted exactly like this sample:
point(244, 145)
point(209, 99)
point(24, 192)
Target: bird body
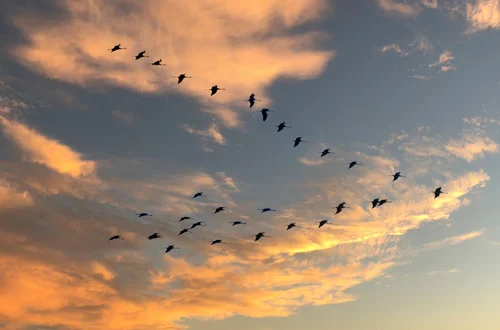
point(185, 230)
point(266, 209)
point(282, 126)
point(340, 207)
point(198, 194)
point(383, 201)
point(396, 176)
point(259, 236)
point(252, 99)
point(235, 223)
point(217, 241)
point(326, 152)
point(170, 248)
point(375, 202)
point(322, 223)
point(297, 141)
point(115, 48)
point(185, 218)
point(157, 63)
point(112, 238)
point(141, 55)
point(143, 214)
point(264, 113)
point(215, 89)
point(154, 236)
point(196, 224)
point(438, 192)
point(181, 77)
point(291, 225)
point(219, 209)
point(352, 164)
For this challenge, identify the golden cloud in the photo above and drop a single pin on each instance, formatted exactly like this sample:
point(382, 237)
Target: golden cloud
point(482, 15)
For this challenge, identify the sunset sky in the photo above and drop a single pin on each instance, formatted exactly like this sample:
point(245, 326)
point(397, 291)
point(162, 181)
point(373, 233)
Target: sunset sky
point(88, 138)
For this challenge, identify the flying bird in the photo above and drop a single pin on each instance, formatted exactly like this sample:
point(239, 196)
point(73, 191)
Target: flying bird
point(282, 126)
point(170, 248)
point(259, 236)
point(185, 218)
point(219, 209)
point(144, 214)
point(198, 194)
point(252, 99)
point(340, 207)
point(185, 230)
point(215, 89)
point(196, 224)
point(383, 201)
point(235, 223)
point(322, 223)
point(115, 48)
point(396, 176)
point(438, 192)
point(326, 152)
point(352, 164)
point(290, 226)
point(181, 77)
point(375, 202)
point(154, 236)
point(264, 113)
point(112, 238)
point(158, 63)
point(141, 55)
point(297, 141)
point(266, 209)
point(217, 241)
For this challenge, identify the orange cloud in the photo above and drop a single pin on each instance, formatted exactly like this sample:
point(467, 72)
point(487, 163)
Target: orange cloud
point(239, 46)
point(38, 148)
point(12, 197)
point(471, 147)
point(482, 15)
point(400, 8)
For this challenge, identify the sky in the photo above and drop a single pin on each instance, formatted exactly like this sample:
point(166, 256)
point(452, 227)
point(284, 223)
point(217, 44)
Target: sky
point(89, 138)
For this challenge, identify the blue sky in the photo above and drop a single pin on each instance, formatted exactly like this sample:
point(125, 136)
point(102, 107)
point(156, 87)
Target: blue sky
point(91, 137)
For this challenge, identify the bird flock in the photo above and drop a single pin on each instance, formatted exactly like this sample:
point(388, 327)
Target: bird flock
point(376, 202)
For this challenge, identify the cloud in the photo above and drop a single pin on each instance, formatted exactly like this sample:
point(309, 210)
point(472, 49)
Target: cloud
point(421, 43)
point(393, 47)
point(482, 15)
point(12, 197)
point(38, 148)
point(453, 240)
point(229, 117)
point(212, 132)
point(444, 62)
point(430, 3)
point(124, 116)
point(238, 46)
point(399, 7)
point(417, 76)
point(470, 147)
point(443, 272)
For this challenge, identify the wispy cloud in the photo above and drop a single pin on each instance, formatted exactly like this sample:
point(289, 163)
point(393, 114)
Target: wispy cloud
point(482, 15)
point(12, 197)
point(124, 116)
point(430, 3)
point(212, 133)
point(393, 47)
point(454, 240)
point(443, 62)
point(471, 146)
point(443, 272)
point(399, 7)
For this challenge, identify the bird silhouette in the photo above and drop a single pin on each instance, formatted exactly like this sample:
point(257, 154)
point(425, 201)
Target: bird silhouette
point(217, 241)
point(115, 48)
point(322, 223)
point(326, 152)
point(297, 141)
point(438, 192)
point(185, 230)
point(264, 113)
point(219, 209)
point(185, 218)
point(215, 89)
point(180, 78)
point(290, 226)
point(144, 214)
point(235, 223)
point(259, 236)
point(252, 99)
point(375, 202)
point(154, 236)
point(198, 194)
point(383, 201)
point(282, 126)
point(157, 63)
point(340, 207)
point(352, 164)
point(266, 209)
point(197, 224)
point(141, 55)
point(396, 176)
point(112, 238)
point(170, 248)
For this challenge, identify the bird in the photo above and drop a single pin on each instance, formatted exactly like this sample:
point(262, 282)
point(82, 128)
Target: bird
point(264, 113)
point(217, 241)
point(215, 89)
point(438, 192)
point(185, 230)
point(326, 152)
point(198, 194)
point(266, 209)
point(375, 202)
point(143, 214)
point(259, 236)
point(154, 236)
point(282, 126)
point(235, 223)
point(140, 55)
point(170, 248)
point(396, 176)
point(297, 141)
point(181, 77)
point(340, 207)
point(185, 218)
point(252, 99)
point(352, 164)
point(112, 238)
point(219, 209)
point(115, 48)
point(383, 201)
point(290, 226)
point(196, 224)
point(322, 223)
point(157, 62)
